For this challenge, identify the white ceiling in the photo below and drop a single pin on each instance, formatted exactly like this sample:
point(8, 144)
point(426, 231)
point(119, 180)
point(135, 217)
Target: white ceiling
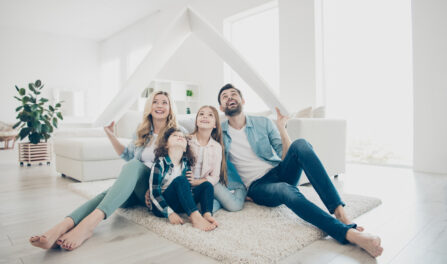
point(91, 19)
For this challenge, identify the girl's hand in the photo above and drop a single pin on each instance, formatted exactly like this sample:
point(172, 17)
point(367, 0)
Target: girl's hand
point(175, 219)
point(110, 128)
point(192, 181)
point(147, 197)
point(281, 120)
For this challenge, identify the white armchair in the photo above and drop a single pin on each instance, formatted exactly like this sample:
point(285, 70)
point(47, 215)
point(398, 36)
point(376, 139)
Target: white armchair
point(328, 138)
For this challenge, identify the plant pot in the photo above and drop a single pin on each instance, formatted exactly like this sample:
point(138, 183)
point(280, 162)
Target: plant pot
point(34, 153)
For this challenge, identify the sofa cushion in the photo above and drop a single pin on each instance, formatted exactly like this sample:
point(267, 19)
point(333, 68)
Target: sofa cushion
point(87, 148)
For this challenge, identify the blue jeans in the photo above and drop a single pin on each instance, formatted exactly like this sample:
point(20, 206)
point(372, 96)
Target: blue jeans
point(230, 197)
point(182, 199)
point(279, 186)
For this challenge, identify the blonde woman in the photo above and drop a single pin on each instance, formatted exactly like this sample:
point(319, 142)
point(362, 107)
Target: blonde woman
point(129, 188)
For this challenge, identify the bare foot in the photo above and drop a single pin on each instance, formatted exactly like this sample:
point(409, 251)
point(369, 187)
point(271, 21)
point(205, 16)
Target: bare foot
point(368, 242)
point(341, 215)
point(48, 239)
point(201, 223)
point(210, 219)
point(82, 232)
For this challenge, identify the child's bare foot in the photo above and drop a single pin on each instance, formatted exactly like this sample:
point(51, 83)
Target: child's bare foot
point(201, 223)
point(82, 232)
point(48, 239)
point(368, 242)
point(341, 215)
point(210, 219)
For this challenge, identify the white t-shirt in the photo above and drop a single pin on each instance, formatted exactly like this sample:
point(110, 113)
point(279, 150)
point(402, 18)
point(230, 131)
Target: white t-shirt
point(199, 162)
point(170, 176)
point(148, 155)
point(249, 166)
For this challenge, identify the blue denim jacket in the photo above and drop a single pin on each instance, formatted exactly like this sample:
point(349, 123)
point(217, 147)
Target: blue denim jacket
point(264, 140)
point(134, 152)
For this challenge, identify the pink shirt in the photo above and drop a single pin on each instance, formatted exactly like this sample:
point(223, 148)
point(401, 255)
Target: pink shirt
point(212, 158)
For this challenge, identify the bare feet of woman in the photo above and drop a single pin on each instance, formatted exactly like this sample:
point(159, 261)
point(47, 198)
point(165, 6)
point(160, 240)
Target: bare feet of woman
point(48, 239)
point(368, 242)
point(341, 215)
point(210, 219)
point(82, 232)
point(201, 223)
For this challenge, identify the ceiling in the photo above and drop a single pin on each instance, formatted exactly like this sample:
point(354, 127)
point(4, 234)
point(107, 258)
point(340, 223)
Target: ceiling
point(90, 19)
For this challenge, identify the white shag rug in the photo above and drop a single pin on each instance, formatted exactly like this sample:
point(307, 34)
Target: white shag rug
point(257, 234)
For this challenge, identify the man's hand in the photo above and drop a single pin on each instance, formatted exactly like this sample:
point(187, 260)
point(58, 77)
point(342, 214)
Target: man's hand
point(192, 181)
point(281, 120)
point(175, 219)
point(110, 128)
point(147, 197)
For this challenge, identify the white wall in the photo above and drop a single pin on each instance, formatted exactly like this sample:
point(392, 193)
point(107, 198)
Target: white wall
point(297, 62)
point(430, 85)
point(60, 62)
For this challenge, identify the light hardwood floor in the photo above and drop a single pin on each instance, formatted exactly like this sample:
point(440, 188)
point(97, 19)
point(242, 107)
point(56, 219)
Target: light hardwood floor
point(412, 221)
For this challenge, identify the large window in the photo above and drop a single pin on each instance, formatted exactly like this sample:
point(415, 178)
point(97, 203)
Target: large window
point(254, 34)
point(368, 76)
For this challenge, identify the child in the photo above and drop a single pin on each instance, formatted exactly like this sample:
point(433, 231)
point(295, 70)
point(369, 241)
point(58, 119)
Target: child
point(206, 143)
point(170, 190)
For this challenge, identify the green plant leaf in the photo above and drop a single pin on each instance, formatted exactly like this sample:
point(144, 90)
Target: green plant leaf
point(18, 98)
point(55, 122)
point(24, 132)
point(25, 99)
point(31, 87)
point(17, 88)
point(22, 91)
point(38, 83)
point(58, 105)
point(27, 108)
point(16, 125)
point(19, 108)
point(34, 138)
point(59, 114)
point(43, 100)
point(51, 108)
point(45, 129)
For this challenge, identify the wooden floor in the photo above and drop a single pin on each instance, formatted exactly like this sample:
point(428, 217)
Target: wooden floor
point(412, 221)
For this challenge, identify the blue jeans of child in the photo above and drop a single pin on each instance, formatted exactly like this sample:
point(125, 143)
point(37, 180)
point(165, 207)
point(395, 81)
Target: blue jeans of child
point(279, 186)
point(182, 199)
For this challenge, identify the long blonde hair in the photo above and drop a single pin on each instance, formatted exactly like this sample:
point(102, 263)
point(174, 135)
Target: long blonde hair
point(216, 134)
point(147, 125)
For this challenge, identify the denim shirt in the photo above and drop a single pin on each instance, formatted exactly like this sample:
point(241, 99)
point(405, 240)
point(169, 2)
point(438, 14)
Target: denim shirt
point(264, 139)
point(134, 152)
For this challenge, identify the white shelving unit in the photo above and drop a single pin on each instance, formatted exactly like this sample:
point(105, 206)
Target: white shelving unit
point(177, 90)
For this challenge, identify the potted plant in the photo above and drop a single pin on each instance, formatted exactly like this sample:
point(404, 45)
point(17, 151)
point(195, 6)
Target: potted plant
point(189, 95)
point(37, 120)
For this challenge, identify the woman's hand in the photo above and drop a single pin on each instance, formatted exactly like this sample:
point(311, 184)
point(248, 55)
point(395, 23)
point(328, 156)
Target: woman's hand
point(281, 120)
point(192, 181)
point(147, 197)
point(175, 219)
point(110, 128)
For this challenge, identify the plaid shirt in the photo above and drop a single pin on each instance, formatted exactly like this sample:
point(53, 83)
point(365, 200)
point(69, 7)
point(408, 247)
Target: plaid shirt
point(161, 167)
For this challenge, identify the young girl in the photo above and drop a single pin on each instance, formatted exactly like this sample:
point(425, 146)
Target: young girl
point(129, 188)
point(170, 190)
point(206, 143)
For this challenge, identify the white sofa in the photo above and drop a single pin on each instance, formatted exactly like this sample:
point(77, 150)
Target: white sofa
point(85, 154)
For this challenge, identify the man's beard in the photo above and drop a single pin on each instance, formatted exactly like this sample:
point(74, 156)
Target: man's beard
point(234, 111)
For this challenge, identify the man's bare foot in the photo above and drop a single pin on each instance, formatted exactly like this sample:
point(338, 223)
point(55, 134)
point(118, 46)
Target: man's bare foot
point(341, 215)
point(368, 242)
point(82, 232)
point(48, 239)
point(201, 223)
point(210, 219)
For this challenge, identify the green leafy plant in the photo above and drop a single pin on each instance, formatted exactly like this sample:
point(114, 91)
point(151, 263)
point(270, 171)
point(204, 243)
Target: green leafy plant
point(189, 93)
point(36, 116)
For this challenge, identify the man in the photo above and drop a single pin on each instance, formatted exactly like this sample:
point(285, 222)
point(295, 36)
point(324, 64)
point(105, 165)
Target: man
point(270, 166)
